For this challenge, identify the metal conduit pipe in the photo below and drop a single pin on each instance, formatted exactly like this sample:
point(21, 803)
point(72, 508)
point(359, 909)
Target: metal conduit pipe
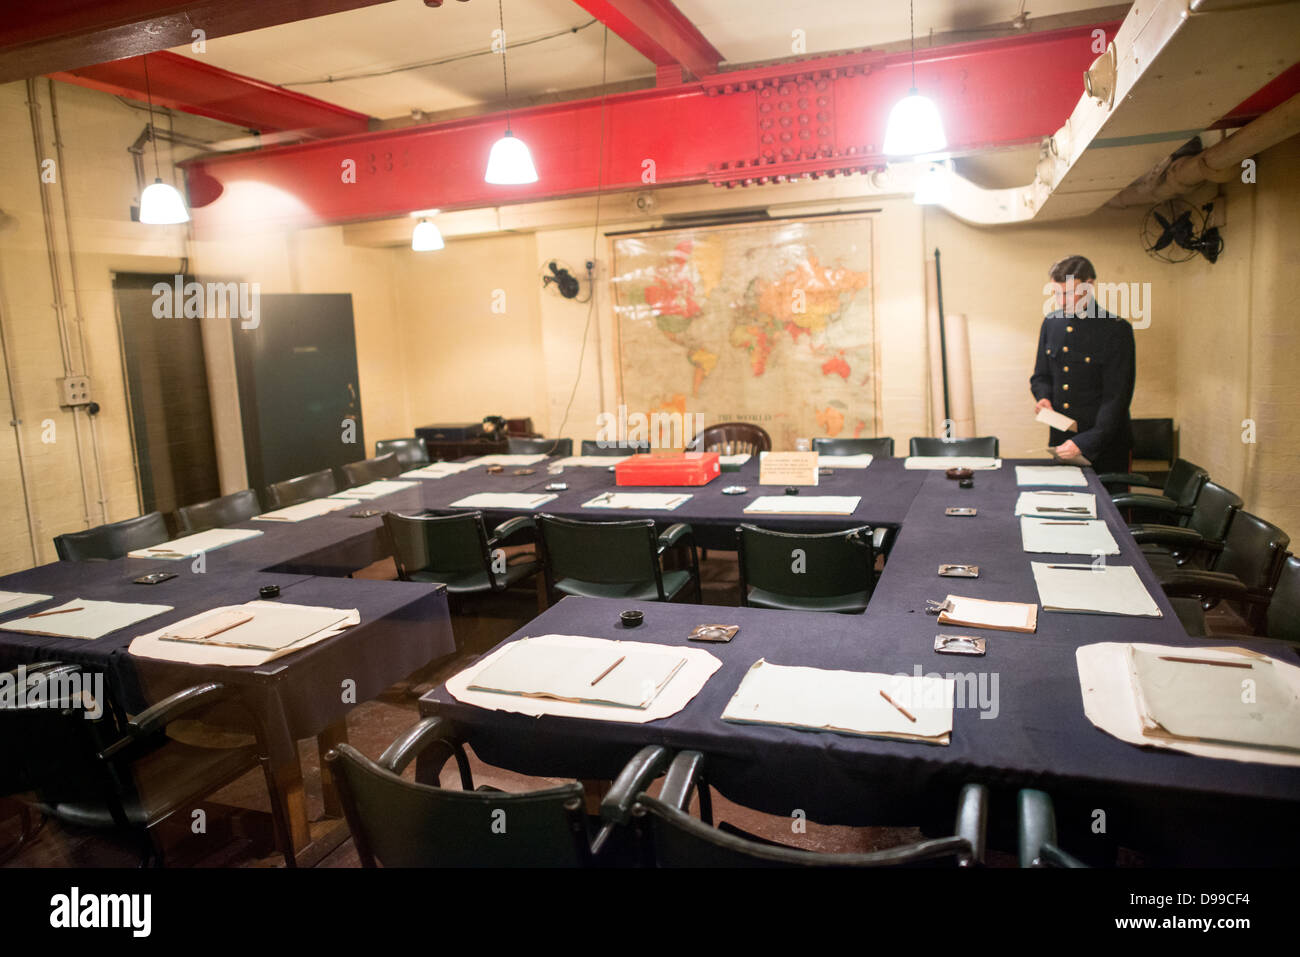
point(56, 282)
point(1218, 163)
point(76, 292)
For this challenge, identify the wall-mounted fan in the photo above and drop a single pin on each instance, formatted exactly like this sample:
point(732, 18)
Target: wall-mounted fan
point(563, 281)
point(1174, 232)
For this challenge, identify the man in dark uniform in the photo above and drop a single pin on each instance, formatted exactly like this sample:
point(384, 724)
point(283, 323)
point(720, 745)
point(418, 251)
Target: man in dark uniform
point(1085, 370)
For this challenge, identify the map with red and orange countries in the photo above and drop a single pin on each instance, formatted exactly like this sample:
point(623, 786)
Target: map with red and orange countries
point(770, 323)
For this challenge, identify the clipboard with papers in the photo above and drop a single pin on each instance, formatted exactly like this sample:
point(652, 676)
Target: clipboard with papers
point(982, 613)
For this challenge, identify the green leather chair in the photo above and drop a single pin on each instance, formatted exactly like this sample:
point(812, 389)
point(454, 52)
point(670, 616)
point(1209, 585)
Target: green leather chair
point(668, 836)
point(456, 550)
point(411, 452)
point(881, 448)
point(614, 559)
point(106, 542)
point(1037, 832)
point(384, 466)
point(796, 571)
point(518, 445)
point(981, 447)
point(218, 512)
point(400, 823)
point(303, 488)
point(1172, 506)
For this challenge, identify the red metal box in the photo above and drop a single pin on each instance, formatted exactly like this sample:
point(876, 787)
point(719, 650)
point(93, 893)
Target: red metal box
point(691, 468)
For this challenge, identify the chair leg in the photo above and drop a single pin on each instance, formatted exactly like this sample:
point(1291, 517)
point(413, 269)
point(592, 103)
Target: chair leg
point(279, 823)
point(27, 831)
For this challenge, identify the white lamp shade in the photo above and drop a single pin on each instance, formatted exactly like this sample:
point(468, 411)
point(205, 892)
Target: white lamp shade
point(426, 237)
point(510, 163)
point(933, 187)
point(914, 128)
point(161, 205)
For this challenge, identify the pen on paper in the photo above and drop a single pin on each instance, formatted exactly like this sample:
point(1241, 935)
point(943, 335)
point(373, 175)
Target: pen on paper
point(906, 714)
point(608, 670)
point(57, 611)
point(1207, 661)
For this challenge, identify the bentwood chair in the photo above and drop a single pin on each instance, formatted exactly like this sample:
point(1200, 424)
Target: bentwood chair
point(218, 512)
point(614, 559)
point(981, 447)
point(1037, 832)
point(457, 551)
point(411, 452)
point(400, 823)
point(668, 836)
point(124, 774)
point(114, 540)
point(304, 488)
point(384, 466)
point(734, 438)
point(881, 448)
point(594, 447)
point(796, 571)
point(533, 446)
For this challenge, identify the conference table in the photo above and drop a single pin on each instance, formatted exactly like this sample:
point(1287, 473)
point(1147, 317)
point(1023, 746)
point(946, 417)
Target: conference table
point(404, 626)
point(1023, 725)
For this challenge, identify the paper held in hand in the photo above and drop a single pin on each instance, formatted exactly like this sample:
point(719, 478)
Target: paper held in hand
point(1062, 423)
point(787, 468)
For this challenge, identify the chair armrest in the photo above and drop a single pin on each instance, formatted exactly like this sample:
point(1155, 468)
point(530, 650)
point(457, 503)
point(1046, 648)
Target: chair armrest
point(673, 534)
point(1127, 478)
point(681, 778)
point(972, 818)
point(1156, 503)
point(511, 527)
point(426, 732)
point(1175, 536)
point(1201, 584)
point(1037, 825)
point(156, 717)
point(645, 766)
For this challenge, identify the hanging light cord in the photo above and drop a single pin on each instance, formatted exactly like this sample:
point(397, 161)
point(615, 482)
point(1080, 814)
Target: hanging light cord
point(911, 32)
point(505, 80)
point(153, 134)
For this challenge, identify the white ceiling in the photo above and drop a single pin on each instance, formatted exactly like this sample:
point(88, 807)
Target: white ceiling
point(406, 32)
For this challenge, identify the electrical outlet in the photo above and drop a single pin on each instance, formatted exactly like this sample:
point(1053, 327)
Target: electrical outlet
point(75, 390)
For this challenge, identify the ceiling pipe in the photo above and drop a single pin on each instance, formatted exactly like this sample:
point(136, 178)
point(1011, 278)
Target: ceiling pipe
point(1219, 163)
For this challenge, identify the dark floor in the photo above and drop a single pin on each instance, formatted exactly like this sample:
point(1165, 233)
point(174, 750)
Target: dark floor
point(374, 724)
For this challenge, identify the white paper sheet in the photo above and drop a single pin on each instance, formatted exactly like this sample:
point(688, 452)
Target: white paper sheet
point(676, 695)
point(944, 462)
point(982, 613)
point(851, 702)
point(437, 470)
point(374, 489)
point(590, 461)
point(735, 461)
point(1057, 504)
point(846, 461)
point(191, 545)
point(508, 459)
point(1065, 475)
point(305, 510)
point(525, 500)
point(13, 600)
point(194, 653)
point(1067, 536)
point(273, 627)
point(1110, 700)
point(803, 505)
point(94, 620)
point(1093, 589)
point(625, 674)
point(664, 501)
point(1062, 423)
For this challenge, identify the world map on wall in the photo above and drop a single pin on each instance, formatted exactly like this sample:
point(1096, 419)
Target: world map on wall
point(770, 324)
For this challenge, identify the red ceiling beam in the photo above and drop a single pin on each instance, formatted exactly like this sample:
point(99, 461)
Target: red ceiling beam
point(192, 86)
point(1274, 93)
point(821, 116)
point(658, 31)
point(55, 35)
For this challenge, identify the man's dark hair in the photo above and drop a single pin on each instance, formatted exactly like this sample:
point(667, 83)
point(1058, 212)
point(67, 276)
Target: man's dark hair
point(1076, 266)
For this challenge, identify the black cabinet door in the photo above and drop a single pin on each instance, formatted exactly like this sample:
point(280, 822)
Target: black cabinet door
point(298, 390)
